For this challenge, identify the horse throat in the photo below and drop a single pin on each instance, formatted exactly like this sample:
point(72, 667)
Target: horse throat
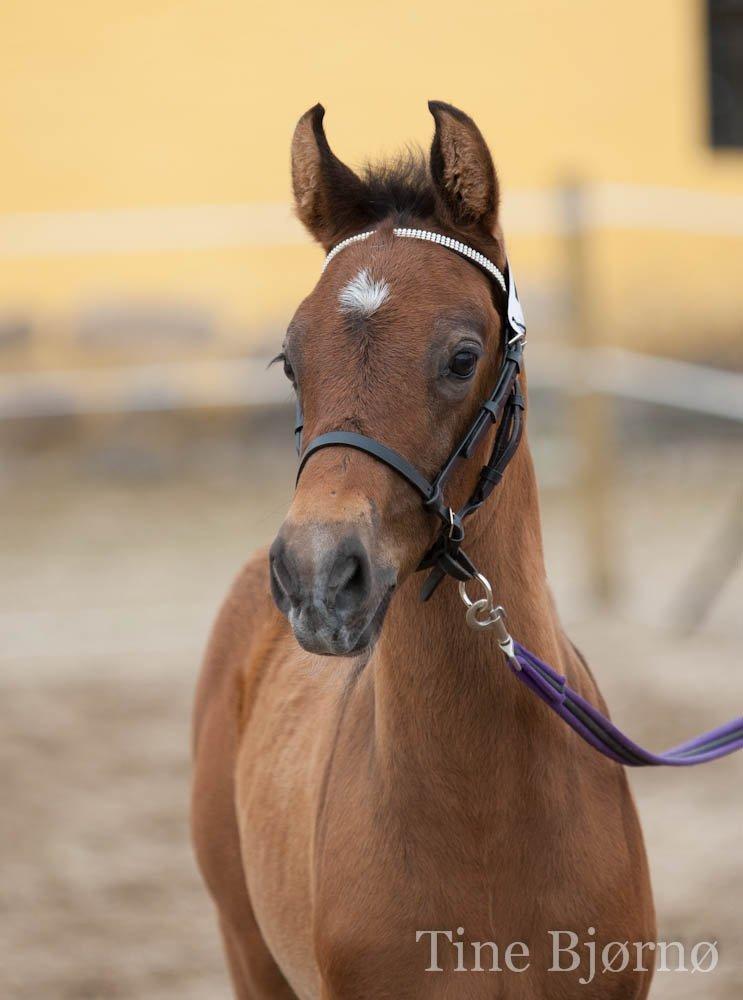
point(442, 691)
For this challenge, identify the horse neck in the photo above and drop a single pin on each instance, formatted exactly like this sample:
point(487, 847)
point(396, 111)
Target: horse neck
point(443, 691)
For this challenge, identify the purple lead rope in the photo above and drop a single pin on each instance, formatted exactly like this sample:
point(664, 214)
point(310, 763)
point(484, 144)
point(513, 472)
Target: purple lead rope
point(603, 735)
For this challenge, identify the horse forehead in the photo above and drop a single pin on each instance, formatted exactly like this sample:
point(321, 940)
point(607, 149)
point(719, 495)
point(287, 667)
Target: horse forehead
point(403, 266)
point(385, 287)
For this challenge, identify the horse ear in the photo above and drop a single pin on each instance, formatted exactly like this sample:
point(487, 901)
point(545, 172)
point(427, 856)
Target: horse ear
point(462, 170)
point(329, 197)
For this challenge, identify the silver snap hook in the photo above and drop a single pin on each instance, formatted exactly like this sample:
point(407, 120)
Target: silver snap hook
point(489, 617)
point(483, 614)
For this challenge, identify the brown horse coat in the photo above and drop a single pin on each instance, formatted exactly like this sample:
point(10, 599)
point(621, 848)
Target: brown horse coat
point(344, 807)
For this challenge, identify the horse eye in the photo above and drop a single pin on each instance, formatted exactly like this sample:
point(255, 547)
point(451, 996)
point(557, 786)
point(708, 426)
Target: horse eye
point(463, 364)
point(288, 370)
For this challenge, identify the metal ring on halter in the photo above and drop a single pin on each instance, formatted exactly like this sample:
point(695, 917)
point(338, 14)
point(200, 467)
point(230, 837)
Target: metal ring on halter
point(484, 606)
point(485, 584)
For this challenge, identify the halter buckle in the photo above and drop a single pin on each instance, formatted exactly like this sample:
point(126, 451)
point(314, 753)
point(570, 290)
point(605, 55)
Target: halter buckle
point(452, 523)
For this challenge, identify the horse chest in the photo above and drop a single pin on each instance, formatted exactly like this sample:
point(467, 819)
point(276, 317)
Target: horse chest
point(349, 867)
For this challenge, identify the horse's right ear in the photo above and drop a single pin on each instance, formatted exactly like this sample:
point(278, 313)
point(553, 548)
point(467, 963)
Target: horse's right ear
point(328, 196)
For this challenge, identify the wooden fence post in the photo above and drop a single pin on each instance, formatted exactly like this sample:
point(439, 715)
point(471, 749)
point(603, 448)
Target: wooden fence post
point(591, 415)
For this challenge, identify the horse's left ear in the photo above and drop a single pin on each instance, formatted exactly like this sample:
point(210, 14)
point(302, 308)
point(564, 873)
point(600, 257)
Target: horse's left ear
point(462, 170)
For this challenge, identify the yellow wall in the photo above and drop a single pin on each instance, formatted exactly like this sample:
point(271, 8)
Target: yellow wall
point(126, 105)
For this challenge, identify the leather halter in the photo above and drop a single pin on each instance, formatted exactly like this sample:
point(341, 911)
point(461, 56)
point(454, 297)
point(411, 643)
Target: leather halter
point(445, 557)
point(505, 405)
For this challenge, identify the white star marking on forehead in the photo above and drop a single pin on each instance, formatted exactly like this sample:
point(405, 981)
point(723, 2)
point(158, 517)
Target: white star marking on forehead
point(363, 295)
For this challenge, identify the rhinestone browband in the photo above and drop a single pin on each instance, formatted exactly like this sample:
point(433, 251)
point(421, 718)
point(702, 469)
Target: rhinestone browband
point(424, 234)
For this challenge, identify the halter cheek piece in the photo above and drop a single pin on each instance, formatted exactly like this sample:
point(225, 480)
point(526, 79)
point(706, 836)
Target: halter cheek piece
point(505, 404)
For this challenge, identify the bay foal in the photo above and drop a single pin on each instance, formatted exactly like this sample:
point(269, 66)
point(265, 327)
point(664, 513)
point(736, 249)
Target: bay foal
point(343, 806)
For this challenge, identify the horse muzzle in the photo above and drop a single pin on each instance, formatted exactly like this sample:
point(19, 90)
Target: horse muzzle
point(332, 591)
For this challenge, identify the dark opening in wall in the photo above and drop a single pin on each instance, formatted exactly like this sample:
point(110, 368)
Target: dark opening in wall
point(725, 72)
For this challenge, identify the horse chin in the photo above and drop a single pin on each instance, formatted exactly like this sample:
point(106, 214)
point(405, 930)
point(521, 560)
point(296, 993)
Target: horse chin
point(368, 638)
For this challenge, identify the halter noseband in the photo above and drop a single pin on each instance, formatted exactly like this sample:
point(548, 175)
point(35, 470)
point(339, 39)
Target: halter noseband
point(505, 404)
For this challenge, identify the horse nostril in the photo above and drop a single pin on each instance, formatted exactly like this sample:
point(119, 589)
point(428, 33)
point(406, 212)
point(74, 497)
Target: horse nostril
point(322, 579)
point(350, 578)
point(281, 578)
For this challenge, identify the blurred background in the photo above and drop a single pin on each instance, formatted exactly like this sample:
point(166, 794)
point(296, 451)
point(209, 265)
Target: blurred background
point(149, 263)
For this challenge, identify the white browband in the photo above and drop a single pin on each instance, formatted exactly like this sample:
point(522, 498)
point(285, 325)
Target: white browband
point(424, 234)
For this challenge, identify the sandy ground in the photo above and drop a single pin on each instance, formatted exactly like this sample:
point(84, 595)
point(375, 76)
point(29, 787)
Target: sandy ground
point(108, 586)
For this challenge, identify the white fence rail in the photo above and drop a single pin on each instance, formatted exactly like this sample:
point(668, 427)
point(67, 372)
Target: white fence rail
point(208, 227)
point(249, 382)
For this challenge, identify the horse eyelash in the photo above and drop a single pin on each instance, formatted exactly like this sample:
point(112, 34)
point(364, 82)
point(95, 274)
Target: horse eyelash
point(281, 356)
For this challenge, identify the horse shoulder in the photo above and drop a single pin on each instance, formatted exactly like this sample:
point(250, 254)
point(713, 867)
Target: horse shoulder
point(216, 725)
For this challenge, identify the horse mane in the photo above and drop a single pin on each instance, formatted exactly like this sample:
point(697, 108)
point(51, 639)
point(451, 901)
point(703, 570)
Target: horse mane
point(400, 189)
